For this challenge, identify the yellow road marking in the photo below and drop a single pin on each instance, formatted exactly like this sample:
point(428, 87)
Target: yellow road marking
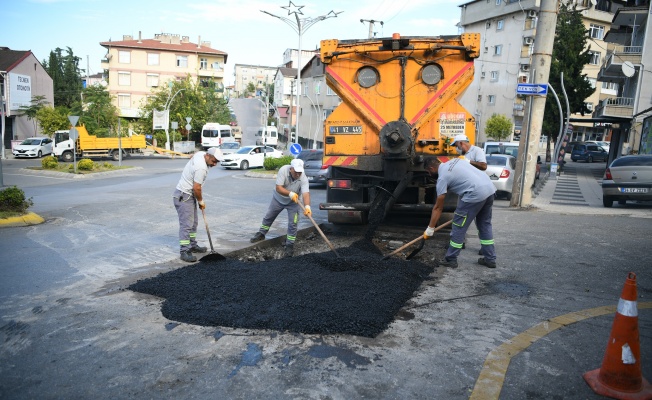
point(491, 378)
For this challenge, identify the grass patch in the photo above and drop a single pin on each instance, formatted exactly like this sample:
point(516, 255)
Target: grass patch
point(10, 214)
point(69, 168)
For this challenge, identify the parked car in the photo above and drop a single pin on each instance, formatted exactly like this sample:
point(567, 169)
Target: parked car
point(627, 178)
point(509, 148)
point(249, 157)
point(33, 147)
point(229, 147)
point(312, 165)
point(589, 153)
point(500, 169)
point(604, 145)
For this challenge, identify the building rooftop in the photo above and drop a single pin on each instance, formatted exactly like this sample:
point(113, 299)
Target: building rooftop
point(160, 43)
point(10, 58)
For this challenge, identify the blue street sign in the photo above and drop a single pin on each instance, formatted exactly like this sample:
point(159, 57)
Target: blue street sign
point(536, 89)
point(295, 149)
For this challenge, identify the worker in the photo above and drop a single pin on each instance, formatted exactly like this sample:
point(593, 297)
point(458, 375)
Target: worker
point(187, 196)
point(290, 182)
point(476, 198)
point(472, 154)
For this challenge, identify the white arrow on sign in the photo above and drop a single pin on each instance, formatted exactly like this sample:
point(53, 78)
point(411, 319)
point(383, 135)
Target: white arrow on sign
point(531, 88)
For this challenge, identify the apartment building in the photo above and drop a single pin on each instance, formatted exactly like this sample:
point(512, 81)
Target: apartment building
point(317, 101)
point(284, 96)
point(22, 77)
point(259, 75)
point(508, 31)
point(138, 66)
point(627, 67)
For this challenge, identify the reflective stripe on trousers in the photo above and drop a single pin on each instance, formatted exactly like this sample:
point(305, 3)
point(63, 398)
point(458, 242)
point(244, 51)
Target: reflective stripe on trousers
point(464, 214)
point(275, 208)
point(186, 206)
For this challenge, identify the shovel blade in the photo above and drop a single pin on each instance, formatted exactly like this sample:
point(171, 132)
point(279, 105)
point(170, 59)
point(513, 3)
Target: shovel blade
point(418, 249)
point(211, 257)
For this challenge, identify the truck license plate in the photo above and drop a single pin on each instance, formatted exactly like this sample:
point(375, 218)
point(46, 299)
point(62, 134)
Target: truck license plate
point(350, 129)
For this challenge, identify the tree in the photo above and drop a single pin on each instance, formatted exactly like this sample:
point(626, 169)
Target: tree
point(569, 55)
point(498, 127)
point(66, 76)
point(249, 90)
point(185, 99)
point(53, 119)
point(97, 112)
point(37, 103)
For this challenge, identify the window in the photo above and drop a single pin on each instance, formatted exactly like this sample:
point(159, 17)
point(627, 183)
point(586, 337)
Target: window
point(124, 57)
point(498, 50)
point(494, 76)
point(152, 58)
point(329, 91)
point(182, 61)
point(304, 88)
point(482, 75)
point(317, 87)
point(479, 98)
point(203, 63)
point(124, 78)
point(500, 24)
point(596, 31)
point(613, 86)
point(152, 80)
point(593, 81)
point(595, 58)
point(486, 49)
point(487, 24)
point(124, 100)
point(491, 99)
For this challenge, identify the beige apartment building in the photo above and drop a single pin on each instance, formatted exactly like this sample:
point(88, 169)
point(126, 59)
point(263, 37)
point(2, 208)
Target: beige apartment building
point(259, 75)
point(136, 66)
point(508, 31)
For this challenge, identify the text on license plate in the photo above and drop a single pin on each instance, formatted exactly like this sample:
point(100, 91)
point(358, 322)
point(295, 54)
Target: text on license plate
point(633, 190)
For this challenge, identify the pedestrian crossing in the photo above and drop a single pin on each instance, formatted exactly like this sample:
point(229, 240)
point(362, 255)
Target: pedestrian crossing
point(567, 191)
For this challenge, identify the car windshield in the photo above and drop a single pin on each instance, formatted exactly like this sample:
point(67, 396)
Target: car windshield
point(245, 150)
point(498, 149)
point(310, 155)
point(502, 161)
point(230, 145)
point(631, 161)
point(31, 142)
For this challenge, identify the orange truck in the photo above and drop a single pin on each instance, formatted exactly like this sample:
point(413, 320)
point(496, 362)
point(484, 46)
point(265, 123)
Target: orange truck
point(399, 105)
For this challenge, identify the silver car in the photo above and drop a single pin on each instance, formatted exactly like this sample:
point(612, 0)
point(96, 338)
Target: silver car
point(33, 147)
point(627, 178)
point(500, 169)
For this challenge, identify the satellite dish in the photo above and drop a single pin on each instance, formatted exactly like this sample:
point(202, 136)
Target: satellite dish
point(628, 69)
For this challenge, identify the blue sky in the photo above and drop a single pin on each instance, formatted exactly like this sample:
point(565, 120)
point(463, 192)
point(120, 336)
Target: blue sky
point(236, 27)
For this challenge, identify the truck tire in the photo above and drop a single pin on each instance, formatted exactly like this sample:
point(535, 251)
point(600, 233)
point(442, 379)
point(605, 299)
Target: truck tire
point(115, 155)
point(67, 156)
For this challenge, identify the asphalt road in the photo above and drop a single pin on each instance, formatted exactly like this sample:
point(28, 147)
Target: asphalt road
point(69, 329)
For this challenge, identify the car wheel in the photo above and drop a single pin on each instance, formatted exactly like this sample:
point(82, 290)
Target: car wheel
point(607, 201)
point(67, 156)
point(244, 164)
point(508, 196)
point(39, 155)
point(589, 160)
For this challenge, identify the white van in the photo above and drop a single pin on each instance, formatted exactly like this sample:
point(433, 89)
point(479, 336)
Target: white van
point(213, 135)
point(509, 148)
point(267, 136)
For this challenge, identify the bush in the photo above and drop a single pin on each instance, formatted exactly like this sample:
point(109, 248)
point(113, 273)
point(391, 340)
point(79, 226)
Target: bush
point(107, 165)
point(13, 199)
point(276, 163)
point(85, 164)
point(50, 162)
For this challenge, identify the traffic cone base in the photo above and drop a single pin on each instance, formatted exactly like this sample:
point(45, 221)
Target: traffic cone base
point(592, 378)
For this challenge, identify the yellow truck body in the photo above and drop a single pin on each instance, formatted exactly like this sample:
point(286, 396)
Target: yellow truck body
point(88, 145)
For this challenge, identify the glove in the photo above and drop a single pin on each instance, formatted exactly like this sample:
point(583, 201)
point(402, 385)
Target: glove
point(428, 233)
point(202, 205)
point(294, 197)
point(307, 211)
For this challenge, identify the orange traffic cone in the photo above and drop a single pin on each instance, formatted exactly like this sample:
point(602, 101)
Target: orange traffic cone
point(620, 375)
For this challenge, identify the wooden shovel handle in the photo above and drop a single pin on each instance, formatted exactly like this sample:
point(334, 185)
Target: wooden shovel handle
point(416, 240)
point(319, 230)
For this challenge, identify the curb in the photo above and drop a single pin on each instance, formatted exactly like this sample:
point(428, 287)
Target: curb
point(68, 175)
point(251, 174)
point(23, 220)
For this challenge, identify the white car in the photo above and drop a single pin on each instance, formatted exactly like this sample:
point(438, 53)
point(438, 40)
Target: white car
point(33, 147)
point(229, 147)
point(501, 169)
point(249, 157)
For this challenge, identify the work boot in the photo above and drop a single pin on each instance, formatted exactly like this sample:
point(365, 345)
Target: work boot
point(487, 263)
point(289, 250)
point(257, 237)
point(198, 249)
point(187, 256)
point(444, 262)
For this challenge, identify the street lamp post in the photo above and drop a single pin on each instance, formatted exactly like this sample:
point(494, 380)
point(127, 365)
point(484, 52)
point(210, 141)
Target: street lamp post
point(167, 112)
point(300, 25)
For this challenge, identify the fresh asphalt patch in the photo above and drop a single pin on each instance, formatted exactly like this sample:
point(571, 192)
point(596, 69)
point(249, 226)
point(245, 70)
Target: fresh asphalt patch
point(356, 294)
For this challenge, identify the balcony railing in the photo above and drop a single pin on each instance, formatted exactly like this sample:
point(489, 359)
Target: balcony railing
point(615, 107)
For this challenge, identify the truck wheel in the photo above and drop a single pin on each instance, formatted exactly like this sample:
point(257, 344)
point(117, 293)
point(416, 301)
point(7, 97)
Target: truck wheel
point(67, 156)
point(115, 155)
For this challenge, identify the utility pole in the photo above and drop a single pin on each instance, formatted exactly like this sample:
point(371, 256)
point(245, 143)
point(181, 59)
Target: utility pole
point(528, 148)
point(371, 26)
point(291, 110)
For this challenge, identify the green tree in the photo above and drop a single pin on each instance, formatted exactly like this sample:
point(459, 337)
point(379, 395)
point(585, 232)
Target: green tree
point(97, 112)
point(37, 103)
point(569, 55)
point(249, 90)
point(66, 76)
point(53, 119)
point(498, 127)
point(185, 98)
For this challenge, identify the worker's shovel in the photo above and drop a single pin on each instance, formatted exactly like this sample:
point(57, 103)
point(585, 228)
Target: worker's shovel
point(319, 230)
point(212, 256)
point(418, 249)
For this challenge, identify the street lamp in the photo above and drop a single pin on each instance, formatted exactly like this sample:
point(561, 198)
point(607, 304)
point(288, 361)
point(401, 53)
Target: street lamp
point(300, 25)
point(167, 113)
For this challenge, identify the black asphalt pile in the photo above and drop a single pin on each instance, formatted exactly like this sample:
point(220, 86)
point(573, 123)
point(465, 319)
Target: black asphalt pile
point(357, 294)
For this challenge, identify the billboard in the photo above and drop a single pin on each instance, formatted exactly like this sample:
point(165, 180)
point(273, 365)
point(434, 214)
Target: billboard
point(20, 91)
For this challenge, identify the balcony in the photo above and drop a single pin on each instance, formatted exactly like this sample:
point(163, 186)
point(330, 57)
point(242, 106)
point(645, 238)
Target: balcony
point(615, 107)
point(612, 67)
